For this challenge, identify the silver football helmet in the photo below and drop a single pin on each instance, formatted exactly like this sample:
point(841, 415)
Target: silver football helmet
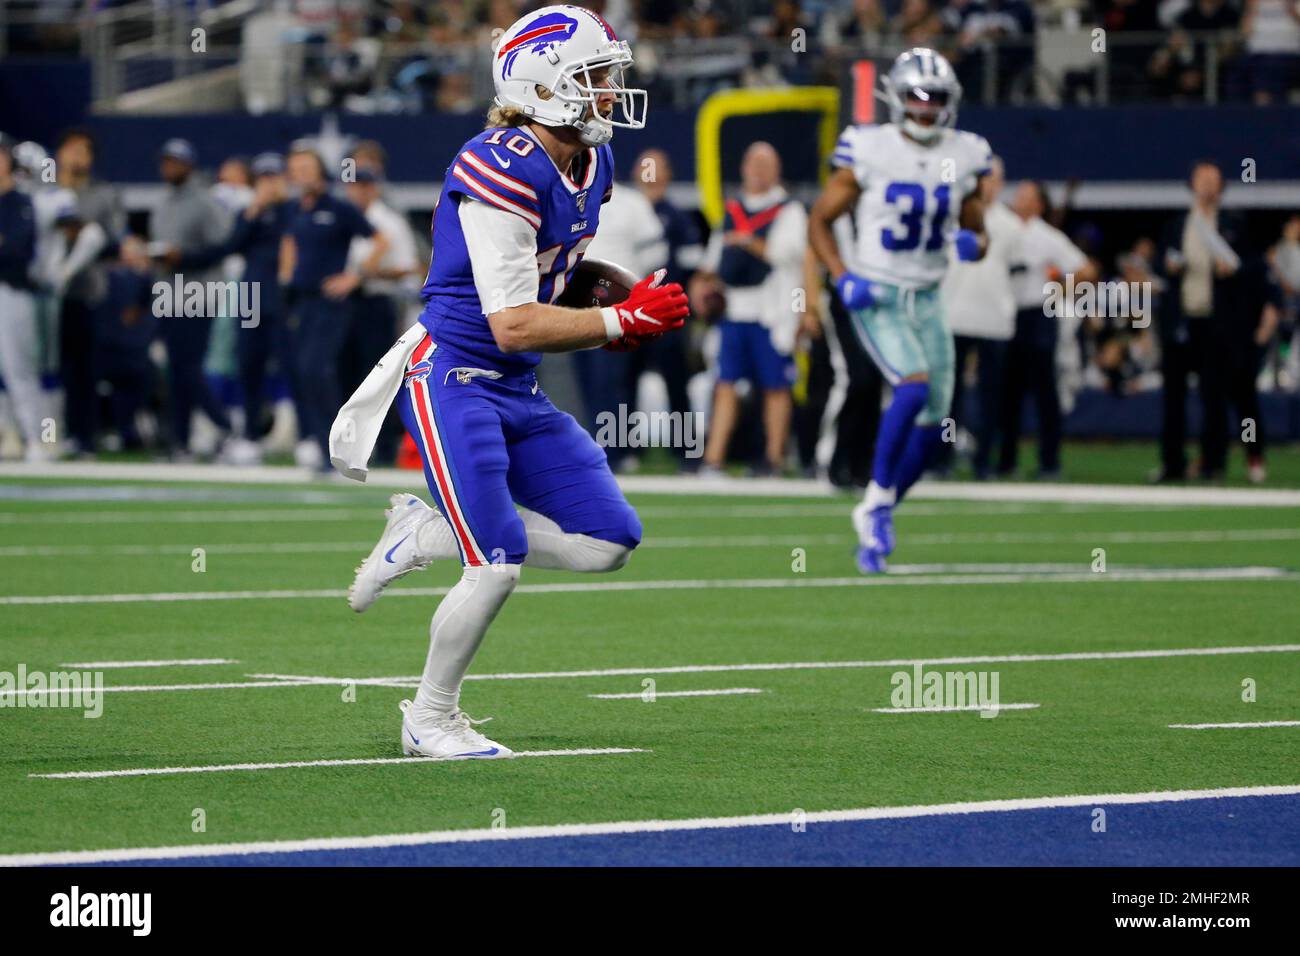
point(923, 93)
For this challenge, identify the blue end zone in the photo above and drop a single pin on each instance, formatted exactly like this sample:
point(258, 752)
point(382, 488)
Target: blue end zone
point(1238, 831)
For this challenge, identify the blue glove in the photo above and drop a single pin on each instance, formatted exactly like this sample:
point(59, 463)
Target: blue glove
point(855, 291)
point(968, 245)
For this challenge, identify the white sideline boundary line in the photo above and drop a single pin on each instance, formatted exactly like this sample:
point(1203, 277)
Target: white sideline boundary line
point(1237, 725)
point(673, 484)
point(144, 688)
point(183, 662)
point(1117, 575)
point(297, 680)
point(296, 764)
point(435, 837)
point(640, 695)
point(725, 541)
point(951, 710)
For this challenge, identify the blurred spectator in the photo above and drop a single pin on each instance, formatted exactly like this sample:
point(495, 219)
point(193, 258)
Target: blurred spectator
point(1272, 31)
point(233, 189)
point(403, 22)
point(652, 174)
point(858, 419)
point(349, 67)
point(88, 227)
point(1128, 56)
point(756, 260)
point(1284, 262)
point(19, 365)
point(256, 237)
point(1201, 268)
point(979, 25)
point(187, 220)
point(125, 326)
point(372, 325)
point(313, 261)
point(370, 154)
point(1046, 255)
point(917, 23)
point(980, 306)
point(1251, 329)
point(863, 23)
point(1179, 69)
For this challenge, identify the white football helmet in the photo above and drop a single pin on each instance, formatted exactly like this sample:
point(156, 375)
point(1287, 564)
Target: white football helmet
point(543, 66)
point(922, 85)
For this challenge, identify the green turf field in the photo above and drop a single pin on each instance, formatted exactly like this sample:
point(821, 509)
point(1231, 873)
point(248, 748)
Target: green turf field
point(729, 588)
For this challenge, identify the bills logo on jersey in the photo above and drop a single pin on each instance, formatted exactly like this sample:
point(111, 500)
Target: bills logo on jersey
point(419, 371)
point(538, 37)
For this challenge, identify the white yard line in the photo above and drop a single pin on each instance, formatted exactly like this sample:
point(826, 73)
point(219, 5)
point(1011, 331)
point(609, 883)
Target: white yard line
point(1115, 575)
point(1214, 536)
point(297, 764)
point(183, 662)
point(312, 680)
point(641, 695)
point(994, 708)
point(562, 830)
point(216, 516)
point(157, 688)
point(1239, 725)
point(676, 485)
point(697, 542)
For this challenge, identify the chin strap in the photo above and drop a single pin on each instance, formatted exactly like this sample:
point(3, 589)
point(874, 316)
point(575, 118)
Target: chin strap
point(594, 132)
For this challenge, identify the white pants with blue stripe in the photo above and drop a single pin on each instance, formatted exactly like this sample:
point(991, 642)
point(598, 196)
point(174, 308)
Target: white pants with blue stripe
point(905, 335)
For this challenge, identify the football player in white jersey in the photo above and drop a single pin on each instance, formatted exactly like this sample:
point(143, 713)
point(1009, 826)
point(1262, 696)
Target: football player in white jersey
point(914, 181)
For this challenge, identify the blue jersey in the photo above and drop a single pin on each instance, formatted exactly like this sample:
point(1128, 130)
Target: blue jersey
point(509, 169)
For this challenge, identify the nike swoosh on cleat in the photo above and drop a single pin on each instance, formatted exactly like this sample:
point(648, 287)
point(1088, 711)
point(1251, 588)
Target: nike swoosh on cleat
point(482, 753)
point(389, 557)
point(411, 735)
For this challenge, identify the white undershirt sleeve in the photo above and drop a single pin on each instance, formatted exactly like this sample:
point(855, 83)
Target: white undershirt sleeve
point(502, 253)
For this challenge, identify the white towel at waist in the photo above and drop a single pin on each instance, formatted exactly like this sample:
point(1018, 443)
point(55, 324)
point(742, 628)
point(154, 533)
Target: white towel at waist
point(356, 427)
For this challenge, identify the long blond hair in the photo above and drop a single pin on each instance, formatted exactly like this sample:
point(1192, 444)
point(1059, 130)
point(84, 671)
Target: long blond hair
point(511, 116)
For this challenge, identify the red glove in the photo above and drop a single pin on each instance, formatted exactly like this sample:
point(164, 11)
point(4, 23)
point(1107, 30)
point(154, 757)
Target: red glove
point(649, 309)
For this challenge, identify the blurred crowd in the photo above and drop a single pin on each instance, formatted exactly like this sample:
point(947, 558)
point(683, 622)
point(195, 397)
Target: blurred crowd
point(403, 56)
point(112, 336)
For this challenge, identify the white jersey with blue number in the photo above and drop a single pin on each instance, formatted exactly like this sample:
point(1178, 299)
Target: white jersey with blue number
point(911, 199)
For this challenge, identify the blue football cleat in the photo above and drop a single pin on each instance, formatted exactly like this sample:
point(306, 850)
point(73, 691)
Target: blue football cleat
point(881, 524)
point(871, 560)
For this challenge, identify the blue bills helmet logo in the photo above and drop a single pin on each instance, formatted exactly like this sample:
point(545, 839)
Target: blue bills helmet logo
point(419, 371)
point(538, 36)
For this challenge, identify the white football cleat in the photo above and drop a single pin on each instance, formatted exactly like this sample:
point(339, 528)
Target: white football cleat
point(396, 553)
point(451, 738)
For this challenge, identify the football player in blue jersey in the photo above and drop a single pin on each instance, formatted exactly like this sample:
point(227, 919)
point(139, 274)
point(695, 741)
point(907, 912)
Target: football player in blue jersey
point(519, 204)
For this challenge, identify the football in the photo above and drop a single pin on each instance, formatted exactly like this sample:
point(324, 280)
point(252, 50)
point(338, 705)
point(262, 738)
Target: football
point(597, 283)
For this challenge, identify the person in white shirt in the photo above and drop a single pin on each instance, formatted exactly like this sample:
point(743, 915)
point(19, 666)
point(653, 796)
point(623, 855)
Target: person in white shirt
point(981, 310)
point(1046, 255)
point(375, 301)
point(755, 259)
